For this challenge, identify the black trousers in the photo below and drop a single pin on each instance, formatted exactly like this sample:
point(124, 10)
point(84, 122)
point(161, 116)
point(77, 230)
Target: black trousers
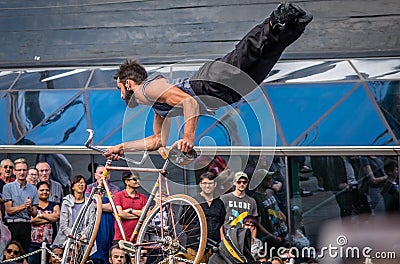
point(228, 79)
point(21, 232)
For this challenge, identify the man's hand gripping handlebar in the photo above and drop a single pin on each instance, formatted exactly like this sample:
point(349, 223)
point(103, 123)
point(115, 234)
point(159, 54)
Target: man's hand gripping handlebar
point(172, 153)
point(90, 139)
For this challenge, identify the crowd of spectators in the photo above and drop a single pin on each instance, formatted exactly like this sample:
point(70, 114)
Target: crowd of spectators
point(35, 209)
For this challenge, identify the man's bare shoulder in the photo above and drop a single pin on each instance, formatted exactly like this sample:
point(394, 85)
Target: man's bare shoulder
point(159, 83)
point(161, 90)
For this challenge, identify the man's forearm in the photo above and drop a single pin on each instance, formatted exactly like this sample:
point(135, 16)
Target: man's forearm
point(12, 210)
point(191, 114)
point(149, 143)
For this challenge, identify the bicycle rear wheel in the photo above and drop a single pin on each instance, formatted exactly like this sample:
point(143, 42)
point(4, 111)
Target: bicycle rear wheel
point(182, 236)
point(83, 233)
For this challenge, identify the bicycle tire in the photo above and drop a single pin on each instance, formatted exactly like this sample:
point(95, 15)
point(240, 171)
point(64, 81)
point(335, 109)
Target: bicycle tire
point(164, 252)
point(77, 248)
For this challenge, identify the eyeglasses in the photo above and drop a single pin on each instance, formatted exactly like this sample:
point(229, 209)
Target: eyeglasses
point(241, 182)
point(56, 246)
point(8, 167)
point(9, 251)
point(286, 259)
point(134, 179)
point(21, 170)
point(207, 183)
point(249, 224)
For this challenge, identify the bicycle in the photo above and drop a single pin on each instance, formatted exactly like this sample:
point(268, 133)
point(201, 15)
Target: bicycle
point(161, 232)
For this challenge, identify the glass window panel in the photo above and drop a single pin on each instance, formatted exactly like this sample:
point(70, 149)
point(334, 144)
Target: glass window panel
point(29, 108)
point(107, 112)
point(53, 79)
point(378, 68)
point(138, 123)
point(3, 119)
point(66, 127)
point(312, 71)
point(184, 70)
point(387, 95)
point(355, 122)
point(103, 78)
point(7, 78)
point(297, 107)
point(211, 132)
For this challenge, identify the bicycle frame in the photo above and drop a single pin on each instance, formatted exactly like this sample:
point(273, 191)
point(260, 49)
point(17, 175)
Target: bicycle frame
point(167, 238)
point(162, 172)
point(157, 187)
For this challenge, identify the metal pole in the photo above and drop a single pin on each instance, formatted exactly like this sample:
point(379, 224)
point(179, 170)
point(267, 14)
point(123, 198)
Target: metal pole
point(43, 259)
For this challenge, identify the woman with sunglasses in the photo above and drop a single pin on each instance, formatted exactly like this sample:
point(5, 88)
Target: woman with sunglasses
point(71, 205)
point(14, 250)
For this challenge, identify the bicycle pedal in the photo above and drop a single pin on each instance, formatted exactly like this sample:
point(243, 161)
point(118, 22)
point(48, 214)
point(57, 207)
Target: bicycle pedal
point(127, 246)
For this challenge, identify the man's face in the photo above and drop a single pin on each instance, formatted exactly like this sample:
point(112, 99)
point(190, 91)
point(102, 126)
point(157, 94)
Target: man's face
point(117, 256)
point(241, 184)
point(207, 186)
point(99, 173)
point(32, 176)
point(7, 169)
point(127, 96)
point(133, 182)
point(21, 171)
point(122, 89)
point(44, 171)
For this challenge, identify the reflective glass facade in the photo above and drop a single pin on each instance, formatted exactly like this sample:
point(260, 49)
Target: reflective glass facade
point(349, 103)
point(310, 103)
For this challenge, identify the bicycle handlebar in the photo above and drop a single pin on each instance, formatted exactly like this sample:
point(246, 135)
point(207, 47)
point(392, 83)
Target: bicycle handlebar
point(90, 139)
point(173, 153)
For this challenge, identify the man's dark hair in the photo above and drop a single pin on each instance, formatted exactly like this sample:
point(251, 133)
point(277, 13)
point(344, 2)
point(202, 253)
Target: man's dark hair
point(117, 247)
point(390, 165)
point(131, 70)
point(207, 175)
point(127, 174)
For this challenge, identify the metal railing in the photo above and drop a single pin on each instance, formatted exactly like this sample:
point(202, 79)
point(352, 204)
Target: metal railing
point(234, 150)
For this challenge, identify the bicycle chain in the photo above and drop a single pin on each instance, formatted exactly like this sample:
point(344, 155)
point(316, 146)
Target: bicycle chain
point(179, 259)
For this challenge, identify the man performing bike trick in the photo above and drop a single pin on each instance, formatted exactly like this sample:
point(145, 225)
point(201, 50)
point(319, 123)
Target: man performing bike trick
point(217, 83)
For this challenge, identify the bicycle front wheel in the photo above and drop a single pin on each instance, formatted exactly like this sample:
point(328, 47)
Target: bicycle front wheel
point(177, 234)
point(83, 233)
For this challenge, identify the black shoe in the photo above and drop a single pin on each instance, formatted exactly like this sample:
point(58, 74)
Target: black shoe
point(284, 14)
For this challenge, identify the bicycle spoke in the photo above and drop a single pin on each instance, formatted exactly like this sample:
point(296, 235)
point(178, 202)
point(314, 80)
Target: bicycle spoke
point(184, 226)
